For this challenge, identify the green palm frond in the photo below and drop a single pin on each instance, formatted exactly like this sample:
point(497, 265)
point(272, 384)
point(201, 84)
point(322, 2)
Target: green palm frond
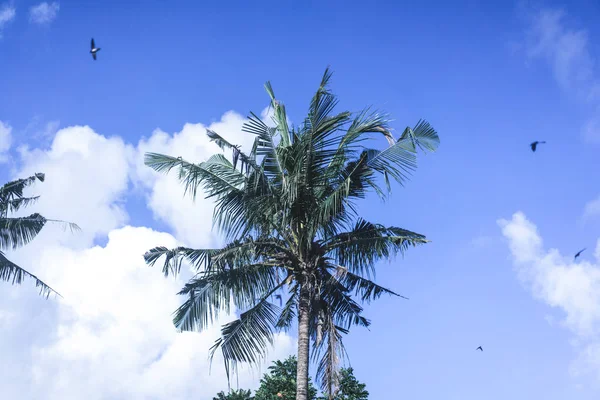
point(280, 117)
point(289, 311)
point(11, 272)
point(364, 288)
point(209, 293)
point(422, 135)
point(367, 243)
point(17, 232)
point(246, 339)
point(173, 258)
point(213, 175)
point(11, 194)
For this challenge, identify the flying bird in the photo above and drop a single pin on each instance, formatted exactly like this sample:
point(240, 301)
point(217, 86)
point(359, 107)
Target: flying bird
point(534, 145)
point(94, 49)
point(578, 254)
point(479, 348)
point(278, 296)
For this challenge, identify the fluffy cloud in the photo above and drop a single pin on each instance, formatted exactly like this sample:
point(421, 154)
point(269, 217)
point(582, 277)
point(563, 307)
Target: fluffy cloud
point(86, 180)
point(567, 51)
point(5, 140)
point(557, 280)
point(111, 336)
point(7, 14)
point(44, 13)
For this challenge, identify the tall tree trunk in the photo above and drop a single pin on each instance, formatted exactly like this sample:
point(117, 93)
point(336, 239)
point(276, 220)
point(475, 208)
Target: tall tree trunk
point(303, 343)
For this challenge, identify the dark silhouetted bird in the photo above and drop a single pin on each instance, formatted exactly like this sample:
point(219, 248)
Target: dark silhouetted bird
point(578, 254)
point(94, 49)
point(534, 145)
point(278, 296)
point(479, 348)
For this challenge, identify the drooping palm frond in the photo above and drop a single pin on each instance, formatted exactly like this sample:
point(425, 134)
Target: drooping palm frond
point(12, 273)
point(17, 232)
point(247, 338)
point(329, 354)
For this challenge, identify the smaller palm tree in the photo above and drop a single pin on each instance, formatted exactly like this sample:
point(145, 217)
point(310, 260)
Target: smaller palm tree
point(16, 232)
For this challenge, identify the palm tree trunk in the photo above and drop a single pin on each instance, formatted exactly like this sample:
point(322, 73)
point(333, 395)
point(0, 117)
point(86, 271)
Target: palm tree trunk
point(303, 344)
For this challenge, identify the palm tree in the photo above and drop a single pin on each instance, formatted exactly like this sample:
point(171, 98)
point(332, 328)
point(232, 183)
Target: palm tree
point(288, 209)
point(18, 231)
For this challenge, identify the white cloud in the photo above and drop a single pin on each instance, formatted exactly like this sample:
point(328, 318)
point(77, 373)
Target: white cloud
point(111, 336)
point(44, 13)
point(557, 280)
point(567, 51)
point(5, 140)
point(592, 209)
point(7, 14)
point(86, 179)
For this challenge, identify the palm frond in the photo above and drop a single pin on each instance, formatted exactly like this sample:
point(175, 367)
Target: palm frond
point(246, 160)
point(288, 314)
point(246, 339)
point(210, 292)
point(11, 272)
point(332, 353)
point(280, 116)
point(367, 242)
point(17, 232)
point(364, 288)
point(11, 194)
point(422, 135)
point(215, 176)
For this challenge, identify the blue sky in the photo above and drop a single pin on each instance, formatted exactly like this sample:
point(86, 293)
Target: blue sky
point(490, 78)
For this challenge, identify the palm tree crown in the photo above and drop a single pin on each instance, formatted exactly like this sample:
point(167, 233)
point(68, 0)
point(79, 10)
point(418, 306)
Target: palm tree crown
point(288, 209)
point(19, 231)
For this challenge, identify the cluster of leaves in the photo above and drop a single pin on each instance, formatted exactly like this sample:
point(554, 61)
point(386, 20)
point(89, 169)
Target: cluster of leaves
point(280, 384)
point(240, 394)
point(288, 210)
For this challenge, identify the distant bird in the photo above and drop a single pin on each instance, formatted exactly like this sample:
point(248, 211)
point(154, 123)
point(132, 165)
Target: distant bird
point(479, 348)
point(534, 145)
point(94, 49)
point(578, 254)
point(278, 296)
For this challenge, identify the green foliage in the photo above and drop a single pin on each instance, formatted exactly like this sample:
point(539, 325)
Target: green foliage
point(16, 232)
point(240, 394)
point(349, 387)
point(281, 379)
point(288, 208)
